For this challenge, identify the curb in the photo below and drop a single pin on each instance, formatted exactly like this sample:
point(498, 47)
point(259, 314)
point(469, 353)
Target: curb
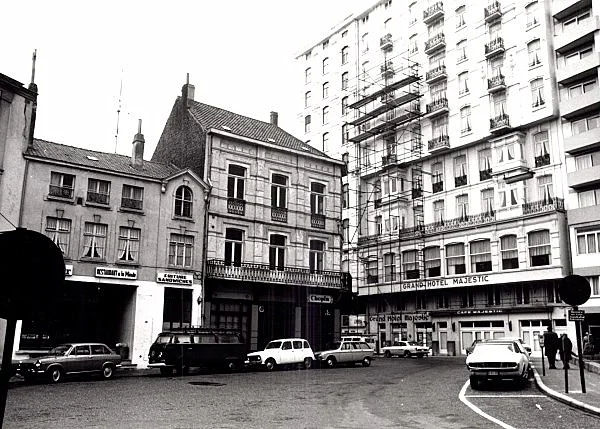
point(563, 398)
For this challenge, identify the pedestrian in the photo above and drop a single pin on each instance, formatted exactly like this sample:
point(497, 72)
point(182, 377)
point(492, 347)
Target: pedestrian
point(551, 346)
point(566, 350)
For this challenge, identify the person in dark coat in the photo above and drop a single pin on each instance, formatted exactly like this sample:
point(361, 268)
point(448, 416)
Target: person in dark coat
point(566, 350)
point(551, 347)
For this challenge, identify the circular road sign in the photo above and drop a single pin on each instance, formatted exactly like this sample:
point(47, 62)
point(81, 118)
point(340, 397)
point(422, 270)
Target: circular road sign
point(575, 290)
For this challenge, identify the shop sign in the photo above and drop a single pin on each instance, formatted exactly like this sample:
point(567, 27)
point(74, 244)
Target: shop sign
point(116, 273)
point(320, 299)
point(68, 270)
point(399, 318)
point(451, 282)
point(482, 311)
point(417, 317)
point(175, 278)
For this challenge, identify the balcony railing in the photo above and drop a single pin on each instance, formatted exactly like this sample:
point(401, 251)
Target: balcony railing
point(279, 214)
point(98, 197)
point(546, 205)
point(437, 143)
point(317, 221)
point(60, 191)
point(495, 47)
point(492, 12)
point(386, 43)
point(388, 159)
point(236, 206)
point(437, 187)
point(542, 160)
point(438, 105)
point(496, 83)
point(417, 193)
point(499, 122)
point(436, 42)
point(485, 174)
point(433, 12)
point(130, 203)
point(450, 224)
point(460, 180)
point(216, 269)
point(436, 73)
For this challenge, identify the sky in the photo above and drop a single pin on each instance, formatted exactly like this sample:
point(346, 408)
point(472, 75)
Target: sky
point(94, 57)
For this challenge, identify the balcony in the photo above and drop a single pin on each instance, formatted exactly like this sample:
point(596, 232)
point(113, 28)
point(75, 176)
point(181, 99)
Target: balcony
point(236, 206)
point(389, 159)
point(577, 34)
point(387, 69)
point(542, 160)
point(563, 8)
point(460, 181)
point(436, 74)
point(385, 43)
point(60, 191)
point(485, 174)
point(577, 71)
point(416, 193)
point(433, 12)
point(496, 84)
point(468, 221)
point(436, 42)
point(317, 221)
point(365, 240)
point(546, 205)
point(499, 123)
point(588, 177)
point(438, 144)
point(583, 142)
point(492, 12)
point(130, 203)
point(437, 187)
point(98, 198)
point(580, 105)
point(261, 273)
point(495, 47)
point(279, 214)
point(437, 107)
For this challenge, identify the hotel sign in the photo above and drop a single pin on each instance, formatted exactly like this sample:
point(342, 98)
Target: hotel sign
point(175, 278)
point(450, 282)
point(405, 317)
point(116, 273)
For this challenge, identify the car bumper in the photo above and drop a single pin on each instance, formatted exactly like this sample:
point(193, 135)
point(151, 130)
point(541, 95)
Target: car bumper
point(496, 373)
point(158, 365)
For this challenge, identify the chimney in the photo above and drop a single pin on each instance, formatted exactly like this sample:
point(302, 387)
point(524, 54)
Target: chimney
point(33, 88)
point(137, 156)
point(188, 91)
point(274, 118)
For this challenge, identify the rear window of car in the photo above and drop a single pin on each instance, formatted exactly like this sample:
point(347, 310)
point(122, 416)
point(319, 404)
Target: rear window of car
point(203, 338)
point(297, 344)
point(182, 339)
point(98, 349)
point(364, 346)
point(82, 350)
point(273, 345)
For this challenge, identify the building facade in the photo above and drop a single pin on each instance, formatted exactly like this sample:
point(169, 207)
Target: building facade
point(453, 119)
point(273, 223)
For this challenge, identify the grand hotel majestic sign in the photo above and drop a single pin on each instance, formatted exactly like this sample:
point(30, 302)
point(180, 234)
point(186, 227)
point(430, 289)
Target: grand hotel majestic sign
point(439, 283)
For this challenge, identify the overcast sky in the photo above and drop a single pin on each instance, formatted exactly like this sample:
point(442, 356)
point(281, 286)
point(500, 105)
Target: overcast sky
point(239, 54)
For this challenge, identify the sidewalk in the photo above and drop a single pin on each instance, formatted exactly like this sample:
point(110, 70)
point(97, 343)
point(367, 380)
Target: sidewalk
point(553, 384)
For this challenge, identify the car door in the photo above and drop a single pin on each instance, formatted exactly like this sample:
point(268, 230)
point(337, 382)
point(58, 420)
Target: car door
point(299, 352)
point(79, 360)
point(99, 356)
point(346, 352)
point(286, 353)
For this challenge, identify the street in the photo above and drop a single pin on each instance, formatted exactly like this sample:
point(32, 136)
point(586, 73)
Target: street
point(413, 393)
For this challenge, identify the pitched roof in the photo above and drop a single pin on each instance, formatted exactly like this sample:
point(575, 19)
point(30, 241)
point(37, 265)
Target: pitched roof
point(214, 117)
point(110, 162)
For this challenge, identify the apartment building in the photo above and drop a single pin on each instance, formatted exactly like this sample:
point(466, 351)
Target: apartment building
point(454, 119)
point(273, 241)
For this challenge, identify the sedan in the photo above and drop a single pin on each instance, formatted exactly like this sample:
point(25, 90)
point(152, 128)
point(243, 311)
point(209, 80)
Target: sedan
point(73, 358)
point(405, 349)
point(498, 360)
point(346, 352)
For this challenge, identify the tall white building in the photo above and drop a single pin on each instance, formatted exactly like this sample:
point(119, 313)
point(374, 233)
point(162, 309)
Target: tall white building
point(470, 136)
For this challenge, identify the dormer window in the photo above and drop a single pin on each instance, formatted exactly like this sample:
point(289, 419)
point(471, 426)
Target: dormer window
point(183, 202)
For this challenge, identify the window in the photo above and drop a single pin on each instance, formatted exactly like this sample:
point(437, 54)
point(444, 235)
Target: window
point(236, 181)
point(485, 164)
point(509, 252)
point(463, 83)
point(539, 248)
point(440, 126)
point(455, 259)
point(410, 265)
point(576, 90)
point(481, 256)
point(344, 105)
point(438, 211)
point(345, 134)
point(345, 80)
point(574, 20)
point(588, 241)
point(437, 59)
point(461, 51)
point(460, 17)
point(325, 141)
point(588, 160)
point(277, 252)
point(594, 282)
point(61, 185)
point(433, 262)
point(325, 65)
point(345, 54)
point(508, 195)
point(307, 95)
point(98, 191)
point(315, 257)
point(234, 239)
point(496, 65)
point(325, 44)
point(462, 206)
point(531, 12)
point(412, 14)
point(493, 296)
point(544, 188)
point(325, 115)
point(378, 225)
point(345, 196)
point(279, 190)
point(346, 231)
point(307, 120)
point(181, 249)
point(307, 73)
point(94, 240)
point(465, 119)
point(59, 231)
point(541, 145)
point(437, 177)
point(494, 30)
point(132, 197)
point(467, 299)
point(537, 92)
point(438, 91)
point(499, 104)
point(534, 52)
point(372, 272)
point(325, 89)
point(389, 267)
point(183, 201)
point(585, 124)
point(413, 46)
point(573, 58)
point(317, 198)
point(460, 170)
point(509, 152)
point(487, 200)
point(129, 244)
point(365, 42)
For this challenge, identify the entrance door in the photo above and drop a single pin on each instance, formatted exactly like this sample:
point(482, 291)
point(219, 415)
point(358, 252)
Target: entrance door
point(443, 340)
point(530, 333)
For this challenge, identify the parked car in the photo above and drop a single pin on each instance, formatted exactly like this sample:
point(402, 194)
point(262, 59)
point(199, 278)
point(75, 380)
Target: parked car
point(371, 340)
point(496, 360)
point(346, 352)
point(181, 349)
point(405, 349)
point(73, 358)
point(286, 351)
point(519, 339)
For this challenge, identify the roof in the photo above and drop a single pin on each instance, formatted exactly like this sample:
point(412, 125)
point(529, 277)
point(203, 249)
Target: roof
point(111, 162)
point(221, 119)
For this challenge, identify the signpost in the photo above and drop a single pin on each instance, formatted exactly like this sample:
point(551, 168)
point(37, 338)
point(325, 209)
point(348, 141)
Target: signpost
point(541, 340)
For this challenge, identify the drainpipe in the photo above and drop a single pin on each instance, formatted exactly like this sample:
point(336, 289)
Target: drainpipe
point(207, 167)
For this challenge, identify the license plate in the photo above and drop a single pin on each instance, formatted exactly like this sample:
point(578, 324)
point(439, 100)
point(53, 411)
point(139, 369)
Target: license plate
point(492, 373)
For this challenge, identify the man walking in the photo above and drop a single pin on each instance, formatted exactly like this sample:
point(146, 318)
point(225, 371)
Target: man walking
point(566, 350)
point(551, 346)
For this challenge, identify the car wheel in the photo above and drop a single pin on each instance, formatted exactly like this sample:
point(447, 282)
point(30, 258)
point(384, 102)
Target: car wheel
point(406, 354)
point(387, 354)
point(55, 374)
point(331, 362)
point(366, 361)
point(474, 381)
point(108, 371)
point(166, 371)
point(270, 364)
point(307, 363)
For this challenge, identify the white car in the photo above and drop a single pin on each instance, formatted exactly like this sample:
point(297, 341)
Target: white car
point(286, 351)
point(498, 360)
point(519, 339)
point(405, 349)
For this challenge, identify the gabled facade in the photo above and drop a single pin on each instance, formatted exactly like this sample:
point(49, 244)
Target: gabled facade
point(273, 224)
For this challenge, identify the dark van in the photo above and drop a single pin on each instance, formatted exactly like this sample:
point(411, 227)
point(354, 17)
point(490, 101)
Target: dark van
point(181, 349)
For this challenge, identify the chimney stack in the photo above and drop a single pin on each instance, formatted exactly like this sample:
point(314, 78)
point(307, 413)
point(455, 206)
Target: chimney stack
point(274, 118)
point(188, 91)
point(137, 156)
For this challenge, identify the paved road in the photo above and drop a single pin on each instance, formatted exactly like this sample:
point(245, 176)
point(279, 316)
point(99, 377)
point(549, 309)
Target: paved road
point(412, 393)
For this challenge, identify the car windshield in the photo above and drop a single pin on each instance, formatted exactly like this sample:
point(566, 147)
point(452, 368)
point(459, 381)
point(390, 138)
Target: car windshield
point(163, 339)
point(60, 350)
point(413, 343)
point(273, 345)
point(493, 347)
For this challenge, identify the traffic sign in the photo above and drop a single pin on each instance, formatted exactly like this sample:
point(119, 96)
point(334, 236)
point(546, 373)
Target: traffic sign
point(574, 289)
point(576, 315)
